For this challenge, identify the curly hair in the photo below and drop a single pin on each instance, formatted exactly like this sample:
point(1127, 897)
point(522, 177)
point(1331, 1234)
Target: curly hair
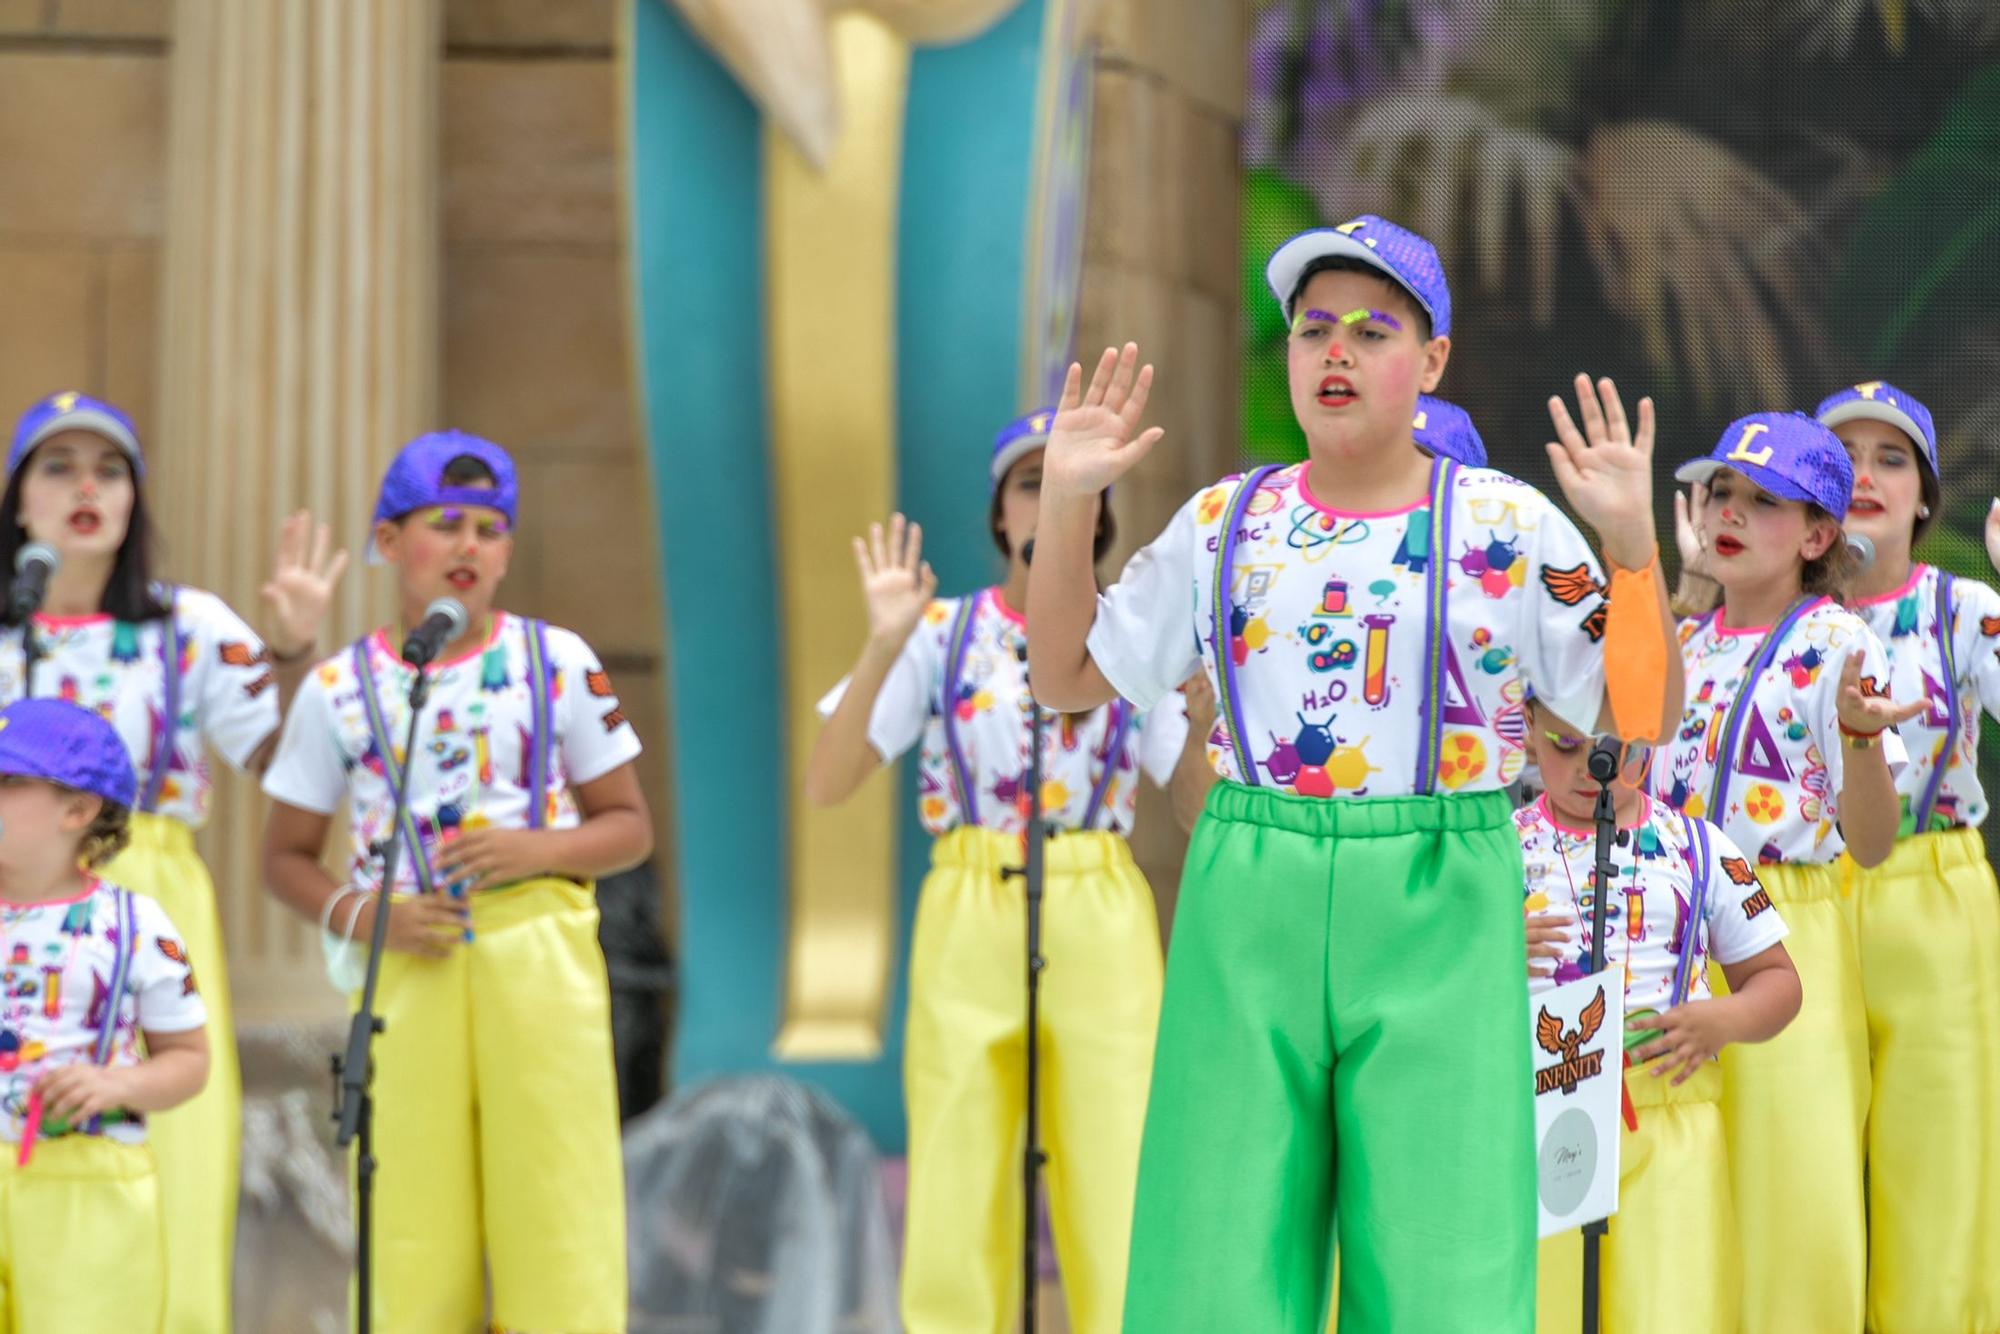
point(107, 836)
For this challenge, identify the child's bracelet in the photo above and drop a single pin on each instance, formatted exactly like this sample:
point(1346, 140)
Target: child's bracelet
point(333, 901)
point(1859, 740)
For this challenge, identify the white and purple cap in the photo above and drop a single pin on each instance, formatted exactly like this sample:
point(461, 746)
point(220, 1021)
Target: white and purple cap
point(1446, 429)
point(72, 411)
point(415, 479)
point(1787, 454)
point(1404, 257)
point(1020, 437)
point(59, 742)
point(1878, 400)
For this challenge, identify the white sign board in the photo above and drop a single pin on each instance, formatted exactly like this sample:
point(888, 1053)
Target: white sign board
point(1576, 1035)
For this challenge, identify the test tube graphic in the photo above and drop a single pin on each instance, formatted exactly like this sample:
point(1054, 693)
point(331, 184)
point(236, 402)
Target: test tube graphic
point(1375, 680)
point(52, 990)
point(1715, 733)
point(1635, 913)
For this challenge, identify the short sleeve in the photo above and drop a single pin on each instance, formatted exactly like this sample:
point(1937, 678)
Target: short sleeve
point(166, 996)
point(597, 737)
point(309, 771)
point(1145, 638)
point(1977, 643)
point(1742, 923)
point(1163, 733)
point(903, 705)
point(1564, 661)
point(239, 694)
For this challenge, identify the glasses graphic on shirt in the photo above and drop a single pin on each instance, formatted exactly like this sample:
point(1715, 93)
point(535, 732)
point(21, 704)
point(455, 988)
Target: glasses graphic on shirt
point(1496, 511)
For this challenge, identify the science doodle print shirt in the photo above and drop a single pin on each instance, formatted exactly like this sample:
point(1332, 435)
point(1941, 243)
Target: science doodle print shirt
point(474, 745)
point(1906, 621)
point(228, 696)
point(1783, 802)
point(58, 973)
point(989, 704)
point(1328, 631)
point(1651, 907)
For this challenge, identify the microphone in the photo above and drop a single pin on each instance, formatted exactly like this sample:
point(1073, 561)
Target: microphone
point(33, 564)
point(444, 621)
point(1604, 757)
point(1863, 549)
point(1028, 552)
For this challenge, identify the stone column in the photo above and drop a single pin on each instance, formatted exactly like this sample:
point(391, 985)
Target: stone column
point(1161, 267)
point(299, 338)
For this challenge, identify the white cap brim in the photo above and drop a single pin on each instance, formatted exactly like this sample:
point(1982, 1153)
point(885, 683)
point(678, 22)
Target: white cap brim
point(1293, 258)
point(1701, 470)
point(1864, 409)
point(87, 419)
point(1016, 450)
point(1697, 470)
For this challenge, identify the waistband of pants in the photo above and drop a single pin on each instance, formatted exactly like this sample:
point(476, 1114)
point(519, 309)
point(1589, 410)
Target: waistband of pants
point(78, 1157)
point(1919, 855)
point(1358, 817)
point(1705, 1085)
point(1802, 882)
point(1074, 852)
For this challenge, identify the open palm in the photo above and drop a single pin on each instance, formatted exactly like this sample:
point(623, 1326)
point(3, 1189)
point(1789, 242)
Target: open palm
point(1861, 705)
point(1095, 438)
point(301, 585)
point(1604, 467)
point(896, 582)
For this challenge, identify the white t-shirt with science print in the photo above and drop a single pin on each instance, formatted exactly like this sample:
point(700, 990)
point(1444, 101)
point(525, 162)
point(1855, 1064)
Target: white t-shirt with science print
point(990, 703)
point(1330, 631)
point(473, 761)
point(117, 669)
point(1650, 910)
point(57, 964)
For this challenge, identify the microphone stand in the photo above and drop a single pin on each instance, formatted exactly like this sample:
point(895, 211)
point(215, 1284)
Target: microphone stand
point(354, 1070)
point(31, 653)
point(1033, 873)
point(1604, 769)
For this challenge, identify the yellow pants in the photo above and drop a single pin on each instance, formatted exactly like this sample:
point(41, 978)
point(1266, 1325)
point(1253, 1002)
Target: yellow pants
point(1671, 1263)
point(1796, 1111)
point(1927, 922)
point(80, 1245)
point(198, 1144)
point(496, 1126)
point(965, 1079)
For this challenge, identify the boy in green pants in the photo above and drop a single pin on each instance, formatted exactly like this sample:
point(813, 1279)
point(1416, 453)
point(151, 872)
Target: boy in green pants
point(1344, 1032)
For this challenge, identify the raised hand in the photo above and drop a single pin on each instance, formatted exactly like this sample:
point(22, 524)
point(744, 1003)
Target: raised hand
point(1095, 438)
point(1688, 533)
point(896, 582)
point(300, 587)
point(1864, 711)
point(1606, 469)
point(1993, 534)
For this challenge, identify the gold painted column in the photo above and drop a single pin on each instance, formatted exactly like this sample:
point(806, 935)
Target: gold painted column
point(299, 342)
point(831, 308)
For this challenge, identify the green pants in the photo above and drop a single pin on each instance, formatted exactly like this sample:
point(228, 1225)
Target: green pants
point(1343, 1038)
